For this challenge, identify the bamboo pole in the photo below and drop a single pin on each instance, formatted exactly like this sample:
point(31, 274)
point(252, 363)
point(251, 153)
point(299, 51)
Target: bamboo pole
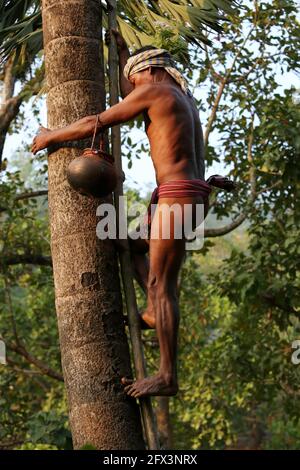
point(125, 259)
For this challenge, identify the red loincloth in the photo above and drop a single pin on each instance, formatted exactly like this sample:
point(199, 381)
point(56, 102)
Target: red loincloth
point(184, 188)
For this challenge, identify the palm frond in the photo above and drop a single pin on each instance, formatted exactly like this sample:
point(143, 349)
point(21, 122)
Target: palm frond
point(195, 16)
point(14, 11)
point(139, 22)
point(20, 29)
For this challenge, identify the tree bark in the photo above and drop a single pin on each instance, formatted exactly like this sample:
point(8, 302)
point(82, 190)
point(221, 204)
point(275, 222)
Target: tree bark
point(94, 348)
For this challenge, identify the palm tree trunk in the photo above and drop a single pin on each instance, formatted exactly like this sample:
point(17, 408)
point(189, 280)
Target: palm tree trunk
point(94, 347)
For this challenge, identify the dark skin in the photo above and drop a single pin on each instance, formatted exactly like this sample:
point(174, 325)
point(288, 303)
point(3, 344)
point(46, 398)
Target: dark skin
point(175, 135)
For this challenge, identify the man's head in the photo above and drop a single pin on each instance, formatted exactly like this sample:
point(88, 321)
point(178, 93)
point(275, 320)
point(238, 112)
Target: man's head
point(149, 65)
point(146, 75)
point(149, 75)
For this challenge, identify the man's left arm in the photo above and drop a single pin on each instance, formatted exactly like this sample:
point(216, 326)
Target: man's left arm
point(134, 104)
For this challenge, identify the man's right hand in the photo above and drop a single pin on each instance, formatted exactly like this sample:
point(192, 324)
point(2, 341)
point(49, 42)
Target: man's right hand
point(121, 43)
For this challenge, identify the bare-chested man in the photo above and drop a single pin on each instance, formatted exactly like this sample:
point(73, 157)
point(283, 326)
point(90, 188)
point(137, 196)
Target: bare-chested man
point(153, 87)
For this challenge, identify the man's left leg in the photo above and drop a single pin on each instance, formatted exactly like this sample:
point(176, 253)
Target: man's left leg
point(140, 263)
point(166, 256)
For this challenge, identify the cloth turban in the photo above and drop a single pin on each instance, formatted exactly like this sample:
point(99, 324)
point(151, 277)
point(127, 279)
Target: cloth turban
point(155, 58)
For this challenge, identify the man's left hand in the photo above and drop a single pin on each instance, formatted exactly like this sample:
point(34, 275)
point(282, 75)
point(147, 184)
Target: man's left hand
point(41, 141)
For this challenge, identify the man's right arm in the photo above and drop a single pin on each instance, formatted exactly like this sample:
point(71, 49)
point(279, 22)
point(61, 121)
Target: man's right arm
point(136, 103)
point(125, 86)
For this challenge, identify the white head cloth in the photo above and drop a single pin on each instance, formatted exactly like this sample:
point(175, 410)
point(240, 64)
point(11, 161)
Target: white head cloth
point(155, 58)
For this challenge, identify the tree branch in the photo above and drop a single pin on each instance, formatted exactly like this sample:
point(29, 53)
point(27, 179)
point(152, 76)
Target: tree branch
point(15, 367)
point(19, 347)
point(289, 390)
point(33, 194)
point(44, 368)
point(214, 110)
point(269, 188)
point(285, 306)
point(10, 104)
point(34, 374)
point(11, 311)
point(8, 81)
point(27, 195)
point(9, 112)
point(218, 232)
point(223, 81)
point(210, 65)
point(10, 444)
point(27, 259)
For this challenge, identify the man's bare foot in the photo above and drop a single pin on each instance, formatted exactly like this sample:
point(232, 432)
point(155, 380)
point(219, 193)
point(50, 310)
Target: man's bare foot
point(150, 386)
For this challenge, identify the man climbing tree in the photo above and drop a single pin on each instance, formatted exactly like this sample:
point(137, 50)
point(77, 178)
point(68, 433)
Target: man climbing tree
point(151, 85)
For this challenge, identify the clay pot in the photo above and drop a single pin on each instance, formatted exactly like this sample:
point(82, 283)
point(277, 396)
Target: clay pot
point(93, 173)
